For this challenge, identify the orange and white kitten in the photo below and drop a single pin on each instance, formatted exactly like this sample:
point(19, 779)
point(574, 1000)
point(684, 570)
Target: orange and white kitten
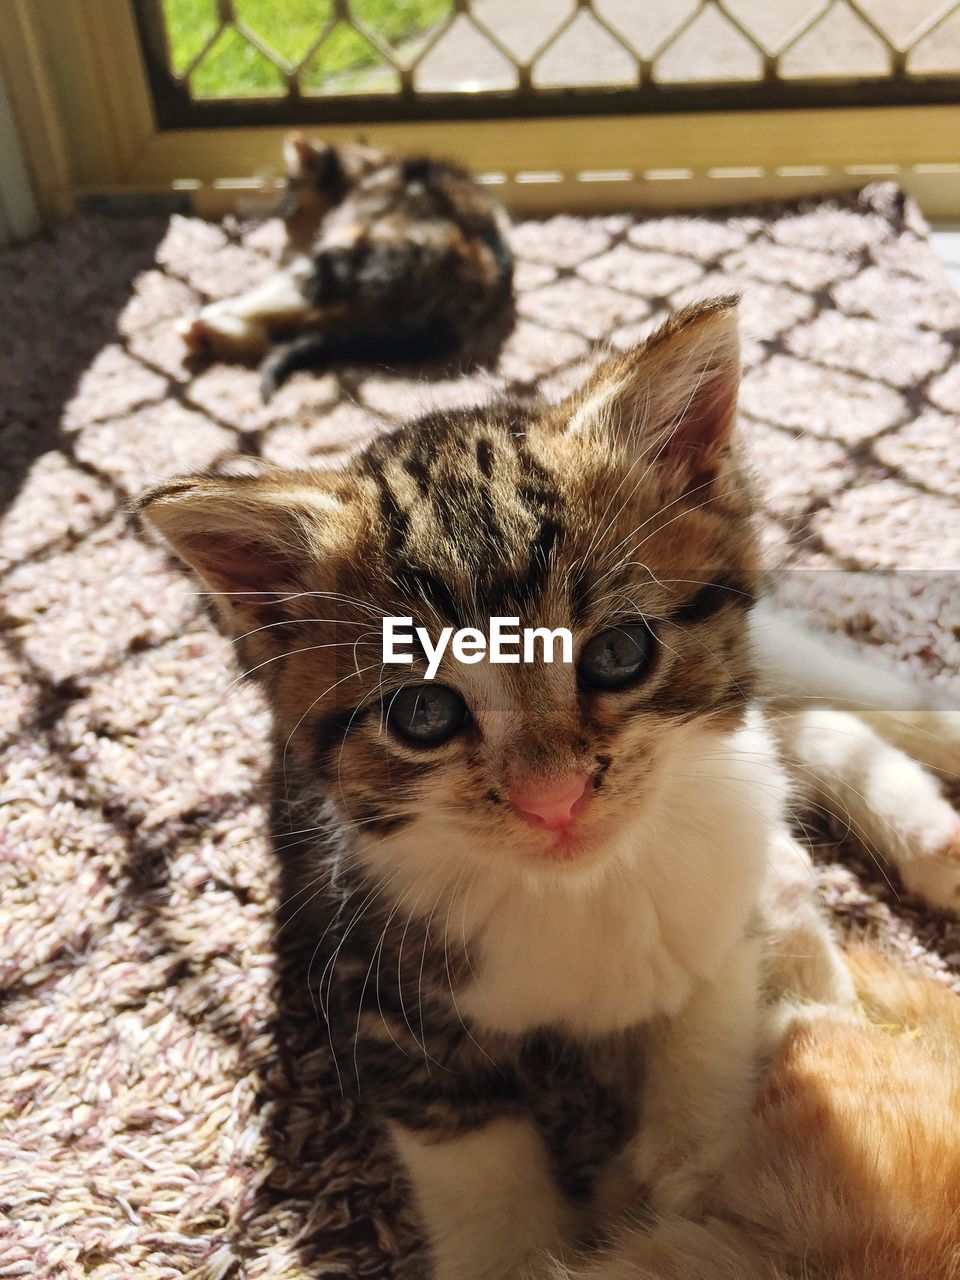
point(849, 1168)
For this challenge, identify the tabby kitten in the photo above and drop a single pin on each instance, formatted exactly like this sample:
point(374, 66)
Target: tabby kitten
point(385, 258)
point(536, 874)
point(540, 895)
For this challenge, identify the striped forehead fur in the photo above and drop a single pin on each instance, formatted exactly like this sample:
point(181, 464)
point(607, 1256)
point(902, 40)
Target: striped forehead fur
point(497, 510)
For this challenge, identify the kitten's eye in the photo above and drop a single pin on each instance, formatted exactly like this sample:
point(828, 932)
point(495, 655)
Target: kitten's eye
point(617, 657)
point(426, 714)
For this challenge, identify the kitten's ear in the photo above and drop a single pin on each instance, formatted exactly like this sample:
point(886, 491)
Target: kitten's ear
point(675, 397)
point(306, 158)
point(249, 538)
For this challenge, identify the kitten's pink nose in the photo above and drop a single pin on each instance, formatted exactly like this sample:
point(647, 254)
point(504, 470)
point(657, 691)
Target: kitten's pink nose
point(551, 803)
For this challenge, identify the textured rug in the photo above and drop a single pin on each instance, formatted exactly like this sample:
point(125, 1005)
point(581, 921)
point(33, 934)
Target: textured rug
point(167, 1106)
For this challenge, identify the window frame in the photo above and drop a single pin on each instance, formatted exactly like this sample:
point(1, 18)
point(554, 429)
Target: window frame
point(82, 100)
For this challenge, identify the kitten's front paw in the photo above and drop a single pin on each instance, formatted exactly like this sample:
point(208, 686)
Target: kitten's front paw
point(217, 332)
point(616, 1197)
point(197, 336)
point(684, 1191)
point(677, 1179)
point(935, 877)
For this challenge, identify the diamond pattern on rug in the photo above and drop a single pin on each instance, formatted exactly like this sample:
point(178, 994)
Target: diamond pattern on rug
point(169, 1107)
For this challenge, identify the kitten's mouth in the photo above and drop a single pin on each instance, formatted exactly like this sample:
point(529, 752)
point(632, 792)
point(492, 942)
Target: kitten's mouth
point(576, 843)
point(566, 845)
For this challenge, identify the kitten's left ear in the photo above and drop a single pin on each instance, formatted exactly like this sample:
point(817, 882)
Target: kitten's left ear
point(675, 397)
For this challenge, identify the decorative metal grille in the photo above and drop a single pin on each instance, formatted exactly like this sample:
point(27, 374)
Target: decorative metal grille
point(224, 62)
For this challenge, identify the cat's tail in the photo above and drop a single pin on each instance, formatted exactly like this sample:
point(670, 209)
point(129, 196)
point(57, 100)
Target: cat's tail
point(309, 351)
point(316, 350)
point(797, 664)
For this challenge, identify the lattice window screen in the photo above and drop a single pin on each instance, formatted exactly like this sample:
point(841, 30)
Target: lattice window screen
point(275, 61)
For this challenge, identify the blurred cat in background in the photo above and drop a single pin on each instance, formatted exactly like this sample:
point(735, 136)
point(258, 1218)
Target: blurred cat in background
point(386, 258)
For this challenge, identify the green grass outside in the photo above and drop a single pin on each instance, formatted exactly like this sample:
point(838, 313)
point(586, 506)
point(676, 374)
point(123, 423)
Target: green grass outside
point(234, 68)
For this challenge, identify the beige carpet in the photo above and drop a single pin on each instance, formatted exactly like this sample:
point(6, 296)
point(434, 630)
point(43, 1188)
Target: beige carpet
point(167, 1107)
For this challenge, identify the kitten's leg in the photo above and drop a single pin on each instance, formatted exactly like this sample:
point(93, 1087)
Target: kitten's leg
point(892, 805)
point(490, 1204)
point(701, 1074)
point(802, 961)
point(240, 327)
point(931, 737)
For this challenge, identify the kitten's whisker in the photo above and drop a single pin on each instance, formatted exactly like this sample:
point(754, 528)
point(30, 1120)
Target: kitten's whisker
point(363, 990)
point(244, 675)
point(332, 962)
point(379, 956)
point(463, 925)
point(772, 823)
point(287, 597)
point(341, 906)
point(286, 745)
point(423, 958)
point(326, 873)
point(449, 975)
point(295, 622)
point(420, 1040)
point(833, 809)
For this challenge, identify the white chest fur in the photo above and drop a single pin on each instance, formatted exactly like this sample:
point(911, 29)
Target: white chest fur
point(676, 897)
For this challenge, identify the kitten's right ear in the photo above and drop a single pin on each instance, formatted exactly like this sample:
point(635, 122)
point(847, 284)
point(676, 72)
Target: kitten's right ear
point(306, 158)
point(248, 538)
